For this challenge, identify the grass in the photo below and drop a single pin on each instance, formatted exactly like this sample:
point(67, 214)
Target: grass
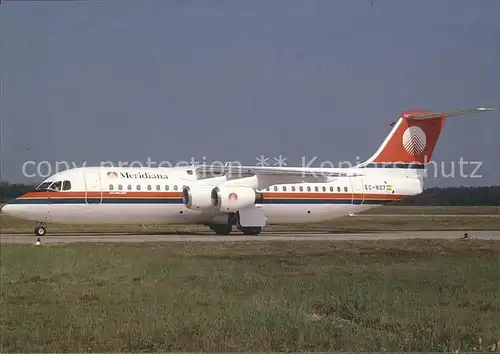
point(420, 295)
point(387, 218)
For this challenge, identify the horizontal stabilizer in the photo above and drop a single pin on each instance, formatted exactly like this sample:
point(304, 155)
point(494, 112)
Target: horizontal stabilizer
point(447, 114)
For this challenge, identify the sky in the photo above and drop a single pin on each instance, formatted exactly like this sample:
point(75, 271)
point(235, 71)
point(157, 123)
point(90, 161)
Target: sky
point(312, 81)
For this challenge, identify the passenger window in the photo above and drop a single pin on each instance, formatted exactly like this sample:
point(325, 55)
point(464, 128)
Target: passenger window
point(293, 188)
point(284, 188)
point(175, 187)
point(149, 187)
point(167, 187)
point(66, 185)
point(120, 187)
point(316, 188)
point(129, 187)
point(308, 189)
point(275, 188)
point(345, 189)
point(267, 189)
point(331, 189)
point(110, 187)
point(138, 187)
point(338, 189)
point(301, 188)
point(324, 189)
point(158, 187)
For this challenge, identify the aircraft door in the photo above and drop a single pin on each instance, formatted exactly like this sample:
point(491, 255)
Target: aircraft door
point(357, 187)
point(93, 188)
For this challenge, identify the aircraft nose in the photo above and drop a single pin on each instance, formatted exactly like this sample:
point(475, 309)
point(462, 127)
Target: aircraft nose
point(13, 210)
point(19, 210)
point(7, 209)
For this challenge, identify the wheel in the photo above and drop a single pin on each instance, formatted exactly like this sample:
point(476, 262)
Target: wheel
point(40, 231)
point(251, 230)
point(222, 229)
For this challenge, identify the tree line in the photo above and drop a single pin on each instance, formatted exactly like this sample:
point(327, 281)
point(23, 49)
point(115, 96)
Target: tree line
point(460, 196)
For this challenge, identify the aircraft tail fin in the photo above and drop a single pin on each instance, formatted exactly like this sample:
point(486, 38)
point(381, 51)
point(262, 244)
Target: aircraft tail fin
point(412, 140)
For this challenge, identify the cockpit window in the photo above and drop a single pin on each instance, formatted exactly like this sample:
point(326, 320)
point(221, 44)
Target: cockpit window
point(56, 186)
point(43, 186)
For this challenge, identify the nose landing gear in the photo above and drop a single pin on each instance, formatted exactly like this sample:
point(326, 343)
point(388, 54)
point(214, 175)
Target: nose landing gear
point(40, 231)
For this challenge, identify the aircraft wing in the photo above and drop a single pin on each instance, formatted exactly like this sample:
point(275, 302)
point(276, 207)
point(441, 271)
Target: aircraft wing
point(273, 175)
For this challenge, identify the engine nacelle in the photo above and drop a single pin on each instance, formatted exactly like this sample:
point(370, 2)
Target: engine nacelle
point(232, 198)
point(197, 197)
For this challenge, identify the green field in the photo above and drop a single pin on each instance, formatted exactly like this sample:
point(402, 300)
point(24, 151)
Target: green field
point(378, 219)
point(297, 296)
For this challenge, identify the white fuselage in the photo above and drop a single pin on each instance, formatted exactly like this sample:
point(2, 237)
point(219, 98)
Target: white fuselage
point(250, 200)
point(136, 195)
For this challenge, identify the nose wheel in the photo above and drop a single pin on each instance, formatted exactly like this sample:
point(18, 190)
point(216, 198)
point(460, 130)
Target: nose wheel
point(40, 230)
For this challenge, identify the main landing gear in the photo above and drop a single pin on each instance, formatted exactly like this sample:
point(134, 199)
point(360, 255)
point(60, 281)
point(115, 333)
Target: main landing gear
point(221, 229)
point(249, 222)
point(251, 230)
point(226, 229)
point(246, 221)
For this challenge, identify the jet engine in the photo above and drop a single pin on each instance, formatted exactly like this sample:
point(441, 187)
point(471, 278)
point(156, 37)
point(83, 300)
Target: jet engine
point(232, 199)
point(197, 197)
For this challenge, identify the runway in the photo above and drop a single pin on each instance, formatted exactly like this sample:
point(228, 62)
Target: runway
point(266, 236)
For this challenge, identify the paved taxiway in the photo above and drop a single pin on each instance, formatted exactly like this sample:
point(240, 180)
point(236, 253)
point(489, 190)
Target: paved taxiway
point(266, 236)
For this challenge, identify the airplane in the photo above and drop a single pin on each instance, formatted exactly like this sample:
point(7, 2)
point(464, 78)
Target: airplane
point(245, 197)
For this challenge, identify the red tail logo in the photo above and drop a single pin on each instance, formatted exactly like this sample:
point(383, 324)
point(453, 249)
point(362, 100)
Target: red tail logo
point(411, 140)
point(414, 140)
